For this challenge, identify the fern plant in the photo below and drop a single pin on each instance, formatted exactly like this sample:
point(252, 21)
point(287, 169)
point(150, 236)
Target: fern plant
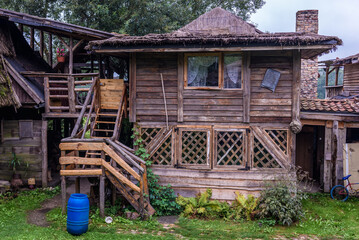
point(245, 206)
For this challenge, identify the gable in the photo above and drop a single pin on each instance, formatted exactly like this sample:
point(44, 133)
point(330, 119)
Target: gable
point(219, 21)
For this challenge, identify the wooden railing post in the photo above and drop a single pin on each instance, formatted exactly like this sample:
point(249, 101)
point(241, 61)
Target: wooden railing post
point(47, 94)
point(71, 93)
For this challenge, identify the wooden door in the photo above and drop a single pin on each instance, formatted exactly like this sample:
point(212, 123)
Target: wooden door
point(351, 161)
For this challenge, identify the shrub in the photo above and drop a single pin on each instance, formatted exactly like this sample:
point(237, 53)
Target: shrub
point(202, 207)
point(282, 203)
point(245, 207)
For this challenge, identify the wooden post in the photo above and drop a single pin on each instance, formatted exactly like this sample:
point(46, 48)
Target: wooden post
point(47, 94)
point(100, 68)
point(77, 185)
point(132, 78)
point(102, 194)
point(32, 37)
point(296, 85)
point(340, 132)
point(44, 152)
point(71, 56)
point(246, 87)
point(49, 58)
point(180, 84)
point(327, 158)
point(71, 94)
point(292, 145)
point(63, 194)
point(42, 43)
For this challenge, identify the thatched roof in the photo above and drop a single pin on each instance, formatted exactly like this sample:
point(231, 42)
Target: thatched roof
point(347, 60)
point(7, 95)
point(219, 21)
point(6, 44)
point(218, 29)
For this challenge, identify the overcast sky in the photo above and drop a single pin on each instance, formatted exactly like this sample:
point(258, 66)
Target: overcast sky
point(336, 18)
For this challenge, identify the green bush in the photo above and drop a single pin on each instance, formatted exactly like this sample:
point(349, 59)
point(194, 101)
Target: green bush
point(282, 203)
point(202, 207)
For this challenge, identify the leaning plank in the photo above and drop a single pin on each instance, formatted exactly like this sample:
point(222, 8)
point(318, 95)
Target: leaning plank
point(82, 172)
point(119, 176)
point(121, 162)
point(80, 160)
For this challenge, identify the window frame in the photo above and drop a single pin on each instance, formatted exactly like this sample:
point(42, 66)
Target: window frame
point(220, 56)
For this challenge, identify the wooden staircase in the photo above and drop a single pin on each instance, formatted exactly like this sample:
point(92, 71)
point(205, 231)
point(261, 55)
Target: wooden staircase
point(101, 154)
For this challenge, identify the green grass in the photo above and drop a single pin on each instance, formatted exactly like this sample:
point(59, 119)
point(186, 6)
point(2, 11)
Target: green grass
point(324, 218)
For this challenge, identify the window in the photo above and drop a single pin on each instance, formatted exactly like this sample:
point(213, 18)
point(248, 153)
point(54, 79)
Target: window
point(213, 70)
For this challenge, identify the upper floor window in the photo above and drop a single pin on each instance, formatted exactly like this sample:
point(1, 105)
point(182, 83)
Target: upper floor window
point(213, 71)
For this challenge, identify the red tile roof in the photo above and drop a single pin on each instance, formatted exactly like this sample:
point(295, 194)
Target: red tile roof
point(330, 105)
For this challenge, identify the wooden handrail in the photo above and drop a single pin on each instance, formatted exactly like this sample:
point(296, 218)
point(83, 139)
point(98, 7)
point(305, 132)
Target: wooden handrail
point(89, 114)
point(65, 75)
point(119, 115)
point(83, 110)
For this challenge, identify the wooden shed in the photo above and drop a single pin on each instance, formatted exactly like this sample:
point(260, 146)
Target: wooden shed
point(217, 101)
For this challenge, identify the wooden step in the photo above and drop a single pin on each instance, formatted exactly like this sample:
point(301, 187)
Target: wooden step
point(107, 114)
point(105, 122)
point(95, 154)
point(102, 130)
point(82, 89)
point(83, 82)
point(59, 81)
point(59, 96)
point(99, 137)
point(59, 108)
point(58, 89)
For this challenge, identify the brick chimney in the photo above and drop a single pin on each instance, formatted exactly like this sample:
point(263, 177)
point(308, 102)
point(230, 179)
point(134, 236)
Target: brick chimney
point(307, 21)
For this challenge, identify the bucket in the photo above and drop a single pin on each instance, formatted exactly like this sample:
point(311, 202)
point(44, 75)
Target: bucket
point(78, 208)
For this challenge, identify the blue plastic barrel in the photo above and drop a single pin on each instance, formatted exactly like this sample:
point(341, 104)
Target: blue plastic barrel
point(78, 208)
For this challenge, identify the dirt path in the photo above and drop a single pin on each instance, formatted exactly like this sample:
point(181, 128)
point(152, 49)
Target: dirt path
point(38, 216)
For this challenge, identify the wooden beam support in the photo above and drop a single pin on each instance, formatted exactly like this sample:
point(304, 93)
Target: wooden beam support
point(42, 43)
point(180, 85)
point(49, 58)
point(63, 42)
point(327, 159)
point(132, 88)
point(63, 194)
point(32, 37)
point(71, 56)
point(296, 85)
point(102, 194)
point(44, 153)
point(246, 87)
point(71, 94)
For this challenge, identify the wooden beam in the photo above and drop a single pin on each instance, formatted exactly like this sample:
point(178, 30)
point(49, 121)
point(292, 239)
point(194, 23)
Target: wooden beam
point(80, 160)
point(246, 87)
point(71, 94)
point(78, 146)
point(78, 44)
point(81, 172)
point(296, 85)
point(42, 43)
point(327, 76)
point(214, 49)
point(32, 37)
point(63, 42)
point(49, 59)
point(327, 159)
point(102, 194)
point(71, 56)
point(313, 122)
point(336, 76)
point(340, 155)
point(132, 87)
point(47, 94)
point(44, 153)
point(180, 85)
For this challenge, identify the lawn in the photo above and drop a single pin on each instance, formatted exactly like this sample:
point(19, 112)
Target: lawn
point(324, 219)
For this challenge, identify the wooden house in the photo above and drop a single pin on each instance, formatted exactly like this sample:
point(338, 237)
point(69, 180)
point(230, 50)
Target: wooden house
point(217, 102)
point(40, 97)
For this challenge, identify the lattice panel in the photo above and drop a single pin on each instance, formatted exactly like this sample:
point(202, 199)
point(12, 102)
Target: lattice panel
point(230, 148)
point(280, 137)
point(194, 147)
point(163, 155)
point(261, 157)
point(147, 134)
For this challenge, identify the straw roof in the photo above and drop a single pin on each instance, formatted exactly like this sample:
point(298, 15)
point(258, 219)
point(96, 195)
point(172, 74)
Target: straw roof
point(217, 28)
point(7, 95)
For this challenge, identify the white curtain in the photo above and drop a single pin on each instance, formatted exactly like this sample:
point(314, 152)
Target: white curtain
point(198, 69)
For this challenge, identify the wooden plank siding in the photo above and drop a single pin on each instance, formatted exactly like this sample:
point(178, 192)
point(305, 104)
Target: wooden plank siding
point(351, 78)
point(149, 97)
point(268, 106)
point(26, 149)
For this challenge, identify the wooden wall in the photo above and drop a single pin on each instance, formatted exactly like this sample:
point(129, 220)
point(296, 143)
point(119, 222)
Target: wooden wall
point(265, 105)
point(149, 96)
point(26, 149)
point(351, 78)
point(212, 106)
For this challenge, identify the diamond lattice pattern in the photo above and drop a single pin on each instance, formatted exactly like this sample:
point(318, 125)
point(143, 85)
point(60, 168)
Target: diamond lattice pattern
point(230, 148)
point(147, 134)
point(163, 155)
point(261, 157)
point(194, 147)
point(280, 138)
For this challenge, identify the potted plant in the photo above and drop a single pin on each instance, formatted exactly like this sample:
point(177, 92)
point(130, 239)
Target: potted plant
point(15, 162)
point(60, 53)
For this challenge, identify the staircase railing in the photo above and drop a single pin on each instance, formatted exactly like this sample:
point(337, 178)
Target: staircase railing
point(125, 170)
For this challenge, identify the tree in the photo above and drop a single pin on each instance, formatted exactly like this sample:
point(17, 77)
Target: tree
point(135, 17)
